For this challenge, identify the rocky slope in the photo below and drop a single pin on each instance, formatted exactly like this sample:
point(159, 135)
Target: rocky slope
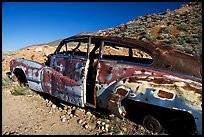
point(180, 28)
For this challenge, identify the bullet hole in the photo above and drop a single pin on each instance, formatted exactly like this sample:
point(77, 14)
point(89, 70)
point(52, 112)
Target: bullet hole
point(132, 95)
point(110, 70)
point(167, 65)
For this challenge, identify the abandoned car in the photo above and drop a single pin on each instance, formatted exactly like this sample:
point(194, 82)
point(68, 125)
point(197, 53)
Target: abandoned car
point(124, 76)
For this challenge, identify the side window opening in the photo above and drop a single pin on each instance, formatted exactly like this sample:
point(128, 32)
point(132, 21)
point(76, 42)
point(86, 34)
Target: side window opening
point(125, 53)
point(78, 48)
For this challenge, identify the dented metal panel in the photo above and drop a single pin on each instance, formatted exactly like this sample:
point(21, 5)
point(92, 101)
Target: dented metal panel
point(62, 87)
point(31, 69)
point(168, 93)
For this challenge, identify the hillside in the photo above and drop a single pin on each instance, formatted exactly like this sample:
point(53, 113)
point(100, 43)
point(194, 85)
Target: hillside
point(180, 28)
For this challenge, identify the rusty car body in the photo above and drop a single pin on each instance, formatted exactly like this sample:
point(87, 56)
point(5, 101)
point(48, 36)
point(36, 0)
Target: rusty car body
point(122, 75)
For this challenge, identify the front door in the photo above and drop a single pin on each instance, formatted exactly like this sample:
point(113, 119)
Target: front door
point(66, 76)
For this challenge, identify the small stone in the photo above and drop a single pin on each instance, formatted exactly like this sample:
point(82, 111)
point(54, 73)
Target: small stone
point(99, 122)
point(38, 49)
point(103, 123)
point(73, 108)
point(60, 109)
point(83, 123)
point(54, 106)
point(86, 126)
point(111, 115)
point(63, 119)
point(79, 113)
point(63, 116)
point(124, 129)
point(102, 128)
point(88, 114)
point(106, 129)
point(65, 108)
point(80, 121)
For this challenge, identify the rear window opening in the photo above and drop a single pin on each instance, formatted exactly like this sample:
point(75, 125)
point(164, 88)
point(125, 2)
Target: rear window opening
point(118, 52)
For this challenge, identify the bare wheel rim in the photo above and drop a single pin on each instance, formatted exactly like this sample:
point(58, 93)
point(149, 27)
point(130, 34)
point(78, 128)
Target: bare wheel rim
point(152, 124)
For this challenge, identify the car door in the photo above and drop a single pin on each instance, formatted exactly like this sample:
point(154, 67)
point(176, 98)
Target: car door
point(66, 76)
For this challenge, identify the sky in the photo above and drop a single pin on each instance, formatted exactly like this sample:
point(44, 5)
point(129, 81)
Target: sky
point(27, 23)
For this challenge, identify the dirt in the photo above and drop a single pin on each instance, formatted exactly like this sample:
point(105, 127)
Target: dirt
point(29, 115)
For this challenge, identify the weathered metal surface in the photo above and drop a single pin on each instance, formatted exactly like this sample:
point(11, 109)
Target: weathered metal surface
point(169, 82)
point(31, 69)
point(62, 87)
point(169, 94)
point(70, 67)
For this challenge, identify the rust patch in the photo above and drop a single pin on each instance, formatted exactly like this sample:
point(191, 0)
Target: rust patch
point(155, 80)
point(189, 88)
point(121, 92)
point(164, 94)
point(161, 81)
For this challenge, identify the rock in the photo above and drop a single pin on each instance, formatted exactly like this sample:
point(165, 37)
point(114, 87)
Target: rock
point(54, 106)
point(73, 108)
point(107, 127)
point(63, 116)
point(65, 108)
point(98, 122)
point(63, 119)
point(71, 115)
point(38, 49)
point(92, 125)
point(79, 113)
point(103, 123)
point(102, 128)
point(86, 126)
point(111, 115)
point(60, 109)
point(80, 121)
point(124, 129)
point(88, 114)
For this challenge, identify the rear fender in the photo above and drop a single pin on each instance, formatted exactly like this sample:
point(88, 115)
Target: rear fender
point(167, 92)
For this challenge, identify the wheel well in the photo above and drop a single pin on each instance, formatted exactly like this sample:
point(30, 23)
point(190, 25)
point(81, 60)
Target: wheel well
point(174, 121)
point(20, 75)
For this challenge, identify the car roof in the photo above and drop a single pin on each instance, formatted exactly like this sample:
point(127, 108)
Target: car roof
point(163, 54)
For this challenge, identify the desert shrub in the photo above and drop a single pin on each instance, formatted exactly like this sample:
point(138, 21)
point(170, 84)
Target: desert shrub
point(165, 30)
point(189, 50)
point(183, 27)
point(20, 90)
point(6, 82)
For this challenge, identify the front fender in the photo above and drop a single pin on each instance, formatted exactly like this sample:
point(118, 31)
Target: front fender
point(31, 69)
